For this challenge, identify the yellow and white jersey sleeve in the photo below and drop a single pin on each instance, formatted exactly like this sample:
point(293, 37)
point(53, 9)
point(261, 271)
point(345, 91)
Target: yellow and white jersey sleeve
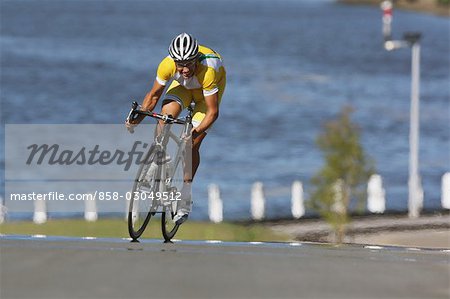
point(212, 72)
point(166, 70)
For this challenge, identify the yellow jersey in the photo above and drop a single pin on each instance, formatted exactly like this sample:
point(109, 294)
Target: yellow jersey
point(208, 75)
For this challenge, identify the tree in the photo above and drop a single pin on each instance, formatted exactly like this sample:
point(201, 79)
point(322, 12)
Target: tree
point(342, 180)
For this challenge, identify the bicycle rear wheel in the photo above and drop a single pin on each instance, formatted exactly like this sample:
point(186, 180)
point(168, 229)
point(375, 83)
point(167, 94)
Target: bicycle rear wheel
point(142, 207)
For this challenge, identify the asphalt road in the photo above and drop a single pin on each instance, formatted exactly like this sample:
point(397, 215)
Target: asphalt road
point(41, 267)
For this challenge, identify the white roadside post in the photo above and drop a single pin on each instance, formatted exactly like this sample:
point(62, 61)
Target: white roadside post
point(257, 201)
point(215, 204)
point(410, 39)
point(127, 207)
point(90, 210)
point(2, 210)
point(40, 212)
point(134, 212)
point(297, 205)
point(445, 199)
point(376, 201)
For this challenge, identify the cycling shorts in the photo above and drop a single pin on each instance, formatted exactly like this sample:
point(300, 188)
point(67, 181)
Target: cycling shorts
point(184, 97)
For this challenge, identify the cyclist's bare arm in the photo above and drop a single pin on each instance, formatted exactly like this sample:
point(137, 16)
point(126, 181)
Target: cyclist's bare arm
point(150, 100)
point(152, 97)
point(212, 113)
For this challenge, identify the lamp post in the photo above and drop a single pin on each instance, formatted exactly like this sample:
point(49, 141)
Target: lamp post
point(411, 40)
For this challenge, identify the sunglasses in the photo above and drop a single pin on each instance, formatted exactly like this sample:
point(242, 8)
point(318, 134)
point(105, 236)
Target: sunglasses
point(186, 63)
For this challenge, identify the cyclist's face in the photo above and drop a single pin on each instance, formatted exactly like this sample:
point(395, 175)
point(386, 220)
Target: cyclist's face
point(186, 68)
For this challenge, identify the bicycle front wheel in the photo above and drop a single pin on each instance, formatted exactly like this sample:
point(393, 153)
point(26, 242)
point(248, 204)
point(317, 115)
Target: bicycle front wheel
point(147, 182)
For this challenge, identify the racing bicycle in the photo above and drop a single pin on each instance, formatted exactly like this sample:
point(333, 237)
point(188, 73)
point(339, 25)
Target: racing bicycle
point(157, 186)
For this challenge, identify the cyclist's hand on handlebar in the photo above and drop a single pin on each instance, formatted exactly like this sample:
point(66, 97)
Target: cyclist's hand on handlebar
point(133, 119)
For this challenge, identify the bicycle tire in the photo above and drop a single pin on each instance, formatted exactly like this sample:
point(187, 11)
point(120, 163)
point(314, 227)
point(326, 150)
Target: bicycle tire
point(168, 230)
point(168, 227)
point(135, 230)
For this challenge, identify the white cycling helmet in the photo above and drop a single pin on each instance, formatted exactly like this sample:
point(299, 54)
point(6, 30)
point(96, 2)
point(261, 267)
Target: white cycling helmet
point(183, 47)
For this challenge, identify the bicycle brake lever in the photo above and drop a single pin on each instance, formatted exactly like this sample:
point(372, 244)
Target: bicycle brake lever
point(132, 116)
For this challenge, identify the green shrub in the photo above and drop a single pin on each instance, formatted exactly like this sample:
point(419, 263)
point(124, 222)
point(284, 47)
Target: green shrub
point(344, 176)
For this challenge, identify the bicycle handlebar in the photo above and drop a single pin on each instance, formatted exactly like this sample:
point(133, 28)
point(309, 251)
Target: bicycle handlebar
point(168, 119)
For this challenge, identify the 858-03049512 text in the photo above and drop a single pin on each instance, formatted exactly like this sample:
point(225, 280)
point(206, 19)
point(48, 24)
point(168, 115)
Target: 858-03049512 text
point(97, 195)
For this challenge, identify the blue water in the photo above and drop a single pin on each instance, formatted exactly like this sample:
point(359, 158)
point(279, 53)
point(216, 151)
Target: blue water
point(291, 66)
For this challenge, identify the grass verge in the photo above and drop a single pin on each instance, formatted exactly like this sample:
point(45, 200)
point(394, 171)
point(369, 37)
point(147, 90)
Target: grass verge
point(117, 228)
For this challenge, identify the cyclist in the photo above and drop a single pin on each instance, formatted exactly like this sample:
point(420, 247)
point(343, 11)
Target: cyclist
point(198, 75)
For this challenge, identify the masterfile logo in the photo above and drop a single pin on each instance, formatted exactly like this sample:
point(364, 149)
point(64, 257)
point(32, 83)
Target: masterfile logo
point(54, 155)
point(77, 152)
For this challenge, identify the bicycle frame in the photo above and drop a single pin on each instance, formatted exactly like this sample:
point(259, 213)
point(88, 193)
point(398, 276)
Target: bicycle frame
point(161, 140)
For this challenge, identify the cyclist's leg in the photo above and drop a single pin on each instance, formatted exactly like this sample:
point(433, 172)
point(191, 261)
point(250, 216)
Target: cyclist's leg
point(199, 115)
point(176, 99)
